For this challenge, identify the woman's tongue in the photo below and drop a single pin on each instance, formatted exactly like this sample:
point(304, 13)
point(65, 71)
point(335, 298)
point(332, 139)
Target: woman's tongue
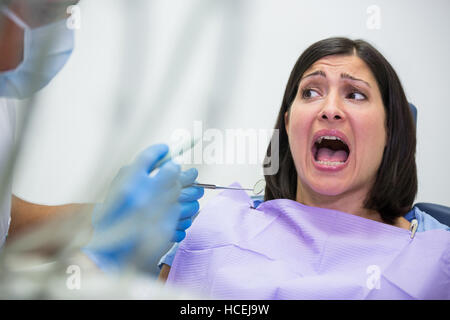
point(328, 155)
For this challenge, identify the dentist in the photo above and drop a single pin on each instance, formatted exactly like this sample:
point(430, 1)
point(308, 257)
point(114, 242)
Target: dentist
point(135, 197)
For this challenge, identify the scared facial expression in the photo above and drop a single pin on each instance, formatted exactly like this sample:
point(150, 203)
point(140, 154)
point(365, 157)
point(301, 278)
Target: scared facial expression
point(336, 127)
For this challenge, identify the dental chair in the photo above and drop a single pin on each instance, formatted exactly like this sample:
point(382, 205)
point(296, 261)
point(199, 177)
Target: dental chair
point(439, 212)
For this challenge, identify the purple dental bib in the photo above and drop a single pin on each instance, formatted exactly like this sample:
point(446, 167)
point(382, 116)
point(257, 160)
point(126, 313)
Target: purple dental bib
point(286, 250)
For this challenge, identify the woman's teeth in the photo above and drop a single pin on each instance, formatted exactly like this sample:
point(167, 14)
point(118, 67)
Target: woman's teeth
point(328, 138)
point(330, 163)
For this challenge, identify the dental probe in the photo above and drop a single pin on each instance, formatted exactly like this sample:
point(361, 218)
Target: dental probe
point(213, 186)
point(257, 188)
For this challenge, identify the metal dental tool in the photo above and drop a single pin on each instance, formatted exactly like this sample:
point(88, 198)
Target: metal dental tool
point(257, 188)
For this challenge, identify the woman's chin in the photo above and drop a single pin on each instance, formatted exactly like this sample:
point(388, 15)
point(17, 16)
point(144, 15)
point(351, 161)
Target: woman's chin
point(329, 192)
point(328, 187)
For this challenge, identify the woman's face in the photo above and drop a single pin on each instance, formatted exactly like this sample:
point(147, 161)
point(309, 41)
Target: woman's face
point(336, 127)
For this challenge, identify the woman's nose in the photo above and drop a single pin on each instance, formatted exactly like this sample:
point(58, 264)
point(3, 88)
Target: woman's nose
point(331, 112)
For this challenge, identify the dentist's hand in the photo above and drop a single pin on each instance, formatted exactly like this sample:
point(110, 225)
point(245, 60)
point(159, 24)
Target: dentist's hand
point(188, 202)
point(141, 212)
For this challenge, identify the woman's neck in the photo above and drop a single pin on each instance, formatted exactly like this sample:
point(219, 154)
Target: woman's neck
point(350, 202)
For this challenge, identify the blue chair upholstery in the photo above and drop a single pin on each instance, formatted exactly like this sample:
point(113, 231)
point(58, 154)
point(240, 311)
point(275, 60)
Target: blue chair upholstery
point(439, 212)
point(414, 113)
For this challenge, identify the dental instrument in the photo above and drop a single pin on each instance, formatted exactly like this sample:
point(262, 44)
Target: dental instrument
point(257, 188)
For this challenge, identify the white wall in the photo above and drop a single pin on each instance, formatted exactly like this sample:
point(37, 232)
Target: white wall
point(64, 157)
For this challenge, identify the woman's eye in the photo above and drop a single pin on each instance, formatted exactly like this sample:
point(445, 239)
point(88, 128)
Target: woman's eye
point(356, 96)
point(309, 93)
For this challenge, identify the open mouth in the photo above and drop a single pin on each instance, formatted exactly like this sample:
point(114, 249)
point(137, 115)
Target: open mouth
point(330, 150)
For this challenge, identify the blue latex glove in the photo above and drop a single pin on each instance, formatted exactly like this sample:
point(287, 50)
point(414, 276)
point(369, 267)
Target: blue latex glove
point(188, 201)
point(142, 211)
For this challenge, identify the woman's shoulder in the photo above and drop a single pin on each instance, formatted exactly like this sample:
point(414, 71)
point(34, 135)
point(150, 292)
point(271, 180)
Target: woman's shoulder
point(425, 221)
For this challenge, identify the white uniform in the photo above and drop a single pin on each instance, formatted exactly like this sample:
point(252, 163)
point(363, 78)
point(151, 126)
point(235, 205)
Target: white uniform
point(7, 131)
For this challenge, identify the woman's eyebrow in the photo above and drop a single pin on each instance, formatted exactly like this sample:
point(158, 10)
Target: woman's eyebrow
point(347, 76)
point(315, 73)
point(343, 76)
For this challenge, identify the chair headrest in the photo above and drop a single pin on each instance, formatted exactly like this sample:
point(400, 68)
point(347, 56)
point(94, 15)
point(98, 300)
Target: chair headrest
point(414, 112)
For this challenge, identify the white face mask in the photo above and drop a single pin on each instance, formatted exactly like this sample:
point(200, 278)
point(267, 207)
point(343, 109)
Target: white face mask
point(49, 46)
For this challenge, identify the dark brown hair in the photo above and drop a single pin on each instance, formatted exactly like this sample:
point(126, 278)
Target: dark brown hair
point(395, 187)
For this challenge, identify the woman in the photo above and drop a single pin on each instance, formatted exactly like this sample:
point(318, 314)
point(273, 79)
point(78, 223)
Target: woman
point(347, 159)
